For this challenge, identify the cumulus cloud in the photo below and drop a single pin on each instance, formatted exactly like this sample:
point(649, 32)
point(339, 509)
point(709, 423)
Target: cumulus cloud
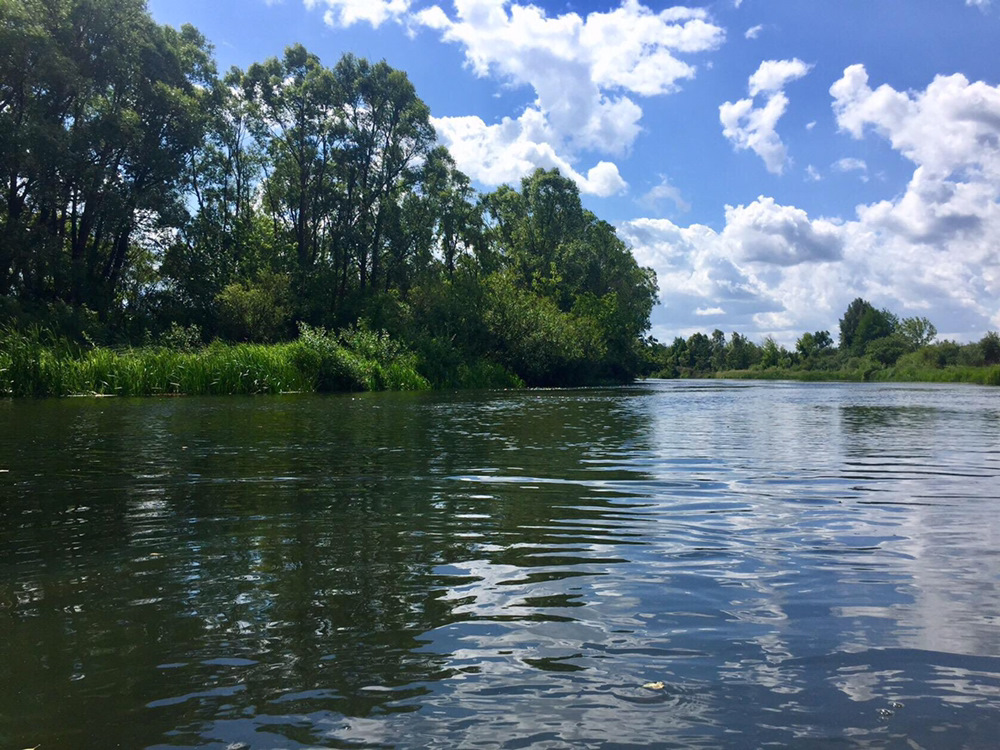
point(584, 71)
point(774, 75)
point(344, 13)
point(505, 152)
point(765, 232)
point(754, 31)
point(753, 127)
point(930, 251)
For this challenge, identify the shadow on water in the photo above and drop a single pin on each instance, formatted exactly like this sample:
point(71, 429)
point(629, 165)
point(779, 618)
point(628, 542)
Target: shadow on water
point(667, 565)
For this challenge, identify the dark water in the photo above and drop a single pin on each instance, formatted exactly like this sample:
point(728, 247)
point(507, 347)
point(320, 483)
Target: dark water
point(807, 566)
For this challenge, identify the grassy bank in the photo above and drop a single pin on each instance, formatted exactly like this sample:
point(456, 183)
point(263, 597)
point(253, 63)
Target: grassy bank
point(984, 375)
point(35, 364)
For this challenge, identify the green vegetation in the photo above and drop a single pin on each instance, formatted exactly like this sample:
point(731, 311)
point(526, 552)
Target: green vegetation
point(150, 205)
point(33, 364)
point(874, 345)
point(167, 229)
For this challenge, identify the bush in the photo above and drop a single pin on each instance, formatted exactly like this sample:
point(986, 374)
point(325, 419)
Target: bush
point(255, 310)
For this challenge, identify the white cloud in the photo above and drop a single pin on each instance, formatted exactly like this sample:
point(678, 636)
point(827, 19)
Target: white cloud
point(812, 174)
point(344, 13)
point(951, 126)
point(765, 232)
point(754, 31)
point(774, 75)
point(755, 128)
point(664, 192)
point(503, 153)
point(930, 251)
point(979, 3)
point(584, 72)
point(851, 164)
point(750, 128)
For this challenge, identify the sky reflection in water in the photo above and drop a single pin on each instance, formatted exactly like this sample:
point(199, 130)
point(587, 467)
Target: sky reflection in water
point(799, 565)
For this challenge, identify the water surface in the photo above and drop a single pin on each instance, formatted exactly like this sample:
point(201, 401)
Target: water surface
point(707, 564)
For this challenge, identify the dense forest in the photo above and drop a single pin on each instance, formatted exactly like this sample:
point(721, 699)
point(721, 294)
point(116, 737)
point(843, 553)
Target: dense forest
point(874, 344)
point(150, 202)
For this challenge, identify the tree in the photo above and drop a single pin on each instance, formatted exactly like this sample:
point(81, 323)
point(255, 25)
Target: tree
point(99, 108)
point(296, 116)
point(558, 250)
point(226, 239)
point(741, 352)
point(718, 350)
point(887, 349)
point(916, 332)
point(862, 324)
point(874, 325)
point(387, 134)
point(990, 346)
point(811, 344)
point(849, 323)
point(772, 354)
point(806, 345)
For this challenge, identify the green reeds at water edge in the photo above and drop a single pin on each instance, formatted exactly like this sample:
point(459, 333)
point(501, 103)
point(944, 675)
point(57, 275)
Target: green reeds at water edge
point(33, 364)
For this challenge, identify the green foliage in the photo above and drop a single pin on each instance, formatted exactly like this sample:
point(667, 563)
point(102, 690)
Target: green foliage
point(536, 340)
point(873, 324)
point(255, 311)
point(182, 338)
point(893, 349)
point(810, 345)
point(916, 332)
point(357, 360)
point(888, 349)
point(101, 108)
point(147, 199)
point(990, 347)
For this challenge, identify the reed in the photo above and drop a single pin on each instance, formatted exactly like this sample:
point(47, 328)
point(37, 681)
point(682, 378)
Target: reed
point(978, 375)
point(30, 365)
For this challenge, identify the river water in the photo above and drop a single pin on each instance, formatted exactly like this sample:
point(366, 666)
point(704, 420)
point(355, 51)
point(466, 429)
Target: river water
point(673, 564)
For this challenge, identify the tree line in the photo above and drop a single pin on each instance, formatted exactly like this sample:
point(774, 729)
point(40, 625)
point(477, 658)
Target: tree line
point(872, 343)
point(148, 198)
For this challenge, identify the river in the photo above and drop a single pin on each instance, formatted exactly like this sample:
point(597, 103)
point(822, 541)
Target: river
point(679, 564)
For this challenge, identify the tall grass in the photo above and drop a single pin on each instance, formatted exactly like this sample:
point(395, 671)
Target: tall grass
point(32, 365)
point(779, 373)
point(979, 375)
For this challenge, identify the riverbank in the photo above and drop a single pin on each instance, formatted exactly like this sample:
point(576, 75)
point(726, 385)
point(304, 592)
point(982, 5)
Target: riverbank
point(978, 375)
point(318, 361)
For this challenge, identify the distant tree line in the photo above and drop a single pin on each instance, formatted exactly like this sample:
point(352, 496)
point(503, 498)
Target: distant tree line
point(872, 343)
point(148, 199)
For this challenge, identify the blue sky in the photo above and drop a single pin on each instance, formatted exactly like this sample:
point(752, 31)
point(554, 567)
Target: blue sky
point(771, 159)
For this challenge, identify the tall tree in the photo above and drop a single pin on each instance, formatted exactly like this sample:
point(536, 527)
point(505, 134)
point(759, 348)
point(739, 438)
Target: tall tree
point(387, 133)
point(99, 108)
point(562, 252)
point(298, 116)
point(849, 323)
point(225, 240)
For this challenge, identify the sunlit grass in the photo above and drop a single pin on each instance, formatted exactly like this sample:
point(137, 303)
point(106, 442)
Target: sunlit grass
point(32, 365)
